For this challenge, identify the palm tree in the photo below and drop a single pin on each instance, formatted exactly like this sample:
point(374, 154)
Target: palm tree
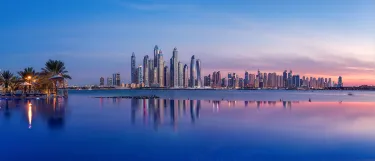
point(14, 83)
point(6, 79)
point(53, 68)
point(28, 73)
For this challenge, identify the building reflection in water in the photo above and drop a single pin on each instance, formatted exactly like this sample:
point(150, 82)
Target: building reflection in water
point(155, 110)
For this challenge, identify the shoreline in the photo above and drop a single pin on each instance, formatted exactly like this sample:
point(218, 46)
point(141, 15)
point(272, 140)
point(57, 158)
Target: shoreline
point(210, 89)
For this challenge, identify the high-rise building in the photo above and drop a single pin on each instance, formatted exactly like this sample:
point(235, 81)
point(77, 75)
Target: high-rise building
point(186, 76)
point(290, 79)
point(150, 71)
point(206, 80)
point(140, 75)
point(246, 81)
point(156, 53)
point(175, 67)
point(101, 81)
point(133, 68)
point(251, 80)
point(160, 69)
point(218, 78)
point(285, 78)
point(155, 75)
point(224, 83)
point(214, 80)
point(265, 80)
point(339, 82)
point(230, 80)
point(329, 82)
point(171, 73)
point(116, 79)
point(241, 83)
point(166, 77)
point(109, 81)
point(192, 71)
point(199, 73)
point(180, 74)
point(269, 80)
point(146, 71)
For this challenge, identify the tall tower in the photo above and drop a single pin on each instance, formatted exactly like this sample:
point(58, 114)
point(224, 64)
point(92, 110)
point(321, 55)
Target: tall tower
point(116, 79)
point(175, 68)
point(150, 71)
point(180, 74)
point(192, 71)
point(285, 78)
point(140, 75)
point(166, 76)
point(160, 69)
point(101, 81)
point(156, 53)
point(340, 83)
point(199, 73)
point(186, 76)
point(145, 71)
point(290, 79)
point(246, 81)
point(171, 78)
point(133, 69)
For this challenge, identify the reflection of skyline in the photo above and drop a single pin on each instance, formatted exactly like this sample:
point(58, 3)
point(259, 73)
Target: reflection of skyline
point(156, 109)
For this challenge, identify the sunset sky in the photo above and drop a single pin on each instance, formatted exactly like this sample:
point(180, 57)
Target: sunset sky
point(95, 38)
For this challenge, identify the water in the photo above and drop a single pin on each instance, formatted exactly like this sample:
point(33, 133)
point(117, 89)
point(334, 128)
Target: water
point(190, 125)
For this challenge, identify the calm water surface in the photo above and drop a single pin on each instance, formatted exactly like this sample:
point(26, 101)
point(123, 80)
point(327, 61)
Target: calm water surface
point(190, 125)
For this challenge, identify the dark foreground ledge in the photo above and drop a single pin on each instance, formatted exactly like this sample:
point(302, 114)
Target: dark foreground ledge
point(130, 97)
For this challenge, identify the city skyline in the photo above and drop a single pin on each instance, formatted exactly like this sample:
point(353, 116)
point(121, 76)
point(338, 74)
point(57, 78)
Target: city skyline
point(177, 76)
point(313, 38)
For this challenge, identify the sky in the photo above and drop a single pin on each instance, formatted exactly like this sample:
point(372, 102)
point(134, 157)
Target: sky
point(95, 38)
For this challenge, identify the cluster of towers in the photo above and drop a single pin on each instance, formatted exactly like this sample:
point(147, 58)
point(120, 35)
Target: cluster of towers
point(156, 73)
point(268, 80)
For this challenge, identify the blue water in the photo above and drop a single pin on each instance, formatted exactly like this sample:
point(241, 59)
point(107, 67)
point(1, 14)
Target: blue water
point(191, 126)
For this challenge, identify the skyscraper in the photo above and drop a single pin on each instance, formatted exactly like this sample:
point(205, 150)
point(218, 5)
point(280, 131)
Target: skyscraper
point(230, 80)
point(214, 80)
point(101, 81)
point(199, 72)
point(133, 68)
point(156, 53)
point(246, 81)
point(186, 76)
point(285, 78)
point(180, 74)
point(160, 69)
point(192, 72)
point(140, 75)
point(251, 80)
point(290, 79)
point(166, 77)
point(150, 71)
point(340, 83)
point(145, 71)
point(109, 81)
point(116, 79)
point(175, 68)
point(171, 73)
